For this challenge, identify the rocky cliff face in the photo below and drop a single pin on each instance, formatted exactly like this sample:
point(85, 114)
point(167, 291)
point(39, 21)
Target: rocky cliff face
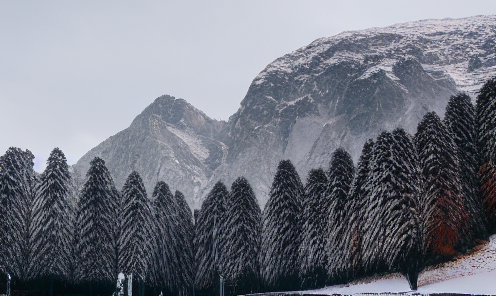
point(170, 140)
point(335, 92)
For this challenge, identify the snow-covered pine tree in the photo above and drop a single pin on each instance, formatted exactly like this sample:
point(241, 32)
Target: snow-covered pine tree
point(441, 190)
point(460, 120)
point(136, 238)
point(392, 238)
point(95, 226)
point(186, 233)
point(53, 236)
point(74, 192)
point(166, 265)
point(281, 230)
point(207, 239)
point(117, 229)
point(340, 174)
point(379, 189)
point(403, 249)
point(486, 122)
point(312, 252)
point(486, 138)
point(17, 190)
point(241, 238)
point(358, 200)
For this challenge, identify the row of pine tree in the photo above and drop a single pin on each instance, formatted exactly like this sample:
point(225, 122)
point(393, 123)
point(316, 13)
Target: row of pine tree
point(411, 201)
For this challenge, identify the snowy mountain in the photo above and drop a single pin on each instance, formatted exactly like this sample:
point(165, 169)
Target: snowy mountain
point(169, 141)
point(335, 92)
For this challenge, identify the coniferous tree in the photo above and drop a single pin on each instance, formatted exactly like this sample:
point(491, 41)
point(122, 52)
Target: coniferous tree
point(487, 175)
point(460, 120)
point(74, 270)
point(341, 172)
point(486, 122)
point(404, 252)
point(392, 240)
point(448, 221)
point(117, 229)
point(358, 198)
point(241, 238)
point(281, 230)
point(75, 188)
point(208, 239)
point(171, 265)
point(379, 187)
point(95, 226)
point(165, 265)
point(53, 217)
point(17, 191)
point(312, 252)
point(136, 238)
point(486, 139)
point(186, 250)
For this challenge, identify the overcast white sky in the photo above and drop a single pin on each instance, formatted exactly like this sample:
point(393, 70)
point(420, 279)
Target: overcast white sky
point(73, 73)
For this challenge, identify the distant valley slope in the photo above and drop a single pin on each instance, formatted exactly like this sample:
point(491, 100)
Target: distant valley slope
point(335, 92)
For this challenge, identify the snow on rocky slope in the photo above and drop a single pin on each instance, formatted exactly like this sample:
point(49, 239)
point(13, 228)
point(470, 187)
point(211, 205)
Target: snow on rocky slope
point(336, 92)
point(452, 46)
point(474, 273)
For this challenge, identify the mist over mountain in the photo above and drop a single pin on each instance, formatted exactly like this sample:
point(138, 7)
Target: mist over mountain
point(335, 92)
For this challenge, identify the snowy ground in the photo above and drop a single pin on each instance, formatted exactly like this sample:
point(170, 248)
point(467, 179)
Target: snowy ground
point(474, 273)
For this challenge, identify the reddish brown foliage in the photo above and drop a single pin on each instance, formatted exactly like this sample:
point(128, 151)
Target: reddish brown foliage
point(450, 219)
point(444, 240)
point(487, 175)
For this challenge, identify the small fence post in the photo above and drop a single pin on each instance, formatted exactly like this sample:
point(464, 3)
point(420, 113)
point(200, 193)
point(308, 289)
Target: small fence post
point(221, 286)
point(8, 284)
point(130, 285)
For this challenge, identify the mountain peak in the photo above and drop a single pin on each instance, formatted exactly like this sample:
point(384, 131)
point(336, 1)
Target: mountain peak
point(181, 114)
point(337, 91)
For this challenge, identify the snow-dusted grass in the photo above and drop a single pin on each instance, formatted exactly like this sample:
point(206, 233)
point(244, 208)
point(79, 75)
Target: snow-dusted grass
point(474, 273)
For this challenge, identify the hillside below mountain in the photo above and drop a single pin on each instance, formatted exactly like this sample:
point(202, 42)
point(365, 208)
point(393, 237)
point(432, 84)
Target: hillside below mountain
point(473, 274)
point(335, 92)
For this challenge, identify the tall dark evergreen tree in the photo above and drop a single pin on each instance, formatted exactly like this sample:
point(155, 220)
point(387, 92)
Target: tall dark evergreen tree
point(208, 239)
point(75, 188)
point(186, 250)
point(17, 191)
point(392, 240)
point(380, 190)
point(312, 252)
point(486, 122)
point(136, 238)
point(358, 198)
point(165, 264)
point(404, 250)
point(53, 219)
point(171, 264)
point(241, 238)
point(487, 175)
point(95, 226)
point(486, 139)
point(442, 191)
point(281, 230)
point(460, 120)
point(341, 172)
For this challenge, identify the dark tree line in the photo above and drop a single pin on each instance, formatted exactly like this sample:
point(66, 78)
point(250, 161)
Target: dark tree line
point(411, 201)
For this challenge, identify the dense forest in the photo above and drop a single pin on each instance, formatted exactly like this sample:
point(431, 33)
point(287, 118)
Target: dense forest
point(410, 202)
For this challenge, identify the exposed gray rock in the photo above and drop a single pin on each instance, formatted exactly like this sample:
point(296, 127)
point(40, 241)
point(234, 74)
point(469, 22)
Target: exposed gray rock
point(336, 92)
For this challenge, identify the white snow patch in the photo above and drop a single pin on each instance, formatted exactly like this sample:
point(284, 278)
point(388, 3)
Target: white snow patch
point(194, 144)
point(470, 274)
point(451, 40)
point(386, 66)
